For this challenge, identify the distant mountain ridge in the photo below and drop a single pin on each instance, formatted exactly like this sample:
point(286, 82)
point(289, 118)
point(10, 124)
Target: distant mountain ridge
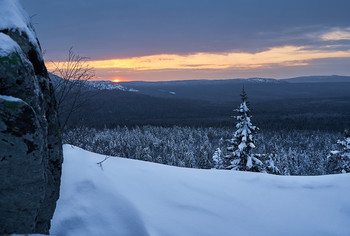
point(319, 79)
point(301, 79)
point(98, 85)
point(137, 86)
point(200, 82)
point(275, 103)
point(108, 85)
point(260, 89)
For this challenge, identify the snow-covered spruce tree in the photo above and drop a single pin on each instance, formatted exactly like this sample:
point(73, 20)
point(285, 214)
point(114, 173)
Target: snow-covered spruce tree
point(339, 161)
point(218, 159)
point(270, 164)
point(240, 155)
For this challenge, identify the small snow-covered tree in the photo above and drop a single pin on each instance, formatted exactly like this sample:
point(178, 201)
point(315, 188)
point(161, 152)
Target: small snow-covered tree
point(240, 155)
point(218, 159)
point(146, 154)
point(270, 165)
point(339, 161)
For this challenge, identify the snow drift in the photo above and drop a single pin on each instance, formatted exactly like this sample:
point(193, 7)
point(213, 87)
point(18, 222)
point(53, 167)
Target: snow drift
point(129, 197)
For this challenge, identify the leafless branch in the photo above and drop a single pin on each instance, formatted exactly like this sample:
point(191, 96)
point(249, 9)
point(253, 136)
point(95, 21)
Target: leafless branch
point(75, 72)
point(100, 163)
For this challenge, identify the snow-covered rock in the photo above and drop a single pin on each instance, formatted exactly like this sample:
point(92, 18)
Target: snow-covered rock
point(30, 143)
point(8, 46)
point(13, 19)
point(129, 197)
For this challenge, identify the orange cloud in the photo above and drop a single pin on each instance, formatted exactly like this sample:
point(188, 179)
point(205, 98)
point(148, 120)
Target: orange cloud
point(285, 56)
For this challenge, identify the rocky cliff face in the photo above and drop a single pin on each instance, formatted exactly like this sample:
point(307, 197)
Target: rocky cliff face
point(30, 142)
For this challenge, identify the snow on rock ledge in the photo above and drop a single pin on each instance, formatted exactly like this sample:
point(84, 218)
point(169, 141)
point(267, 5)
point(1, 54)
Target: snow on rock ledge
point(7, 45)
point(13, 17)
point(11, 99)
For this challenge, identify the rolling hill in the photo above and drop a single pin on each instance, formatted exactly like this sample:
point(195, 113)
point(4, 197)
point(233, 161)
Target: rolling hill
point(276, 104)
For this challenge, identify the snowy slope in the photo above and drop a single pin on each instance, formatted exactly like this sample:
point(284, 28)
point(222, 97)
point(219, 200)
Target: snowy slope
point(129, 197)
point(92, 84)
point(108, 85)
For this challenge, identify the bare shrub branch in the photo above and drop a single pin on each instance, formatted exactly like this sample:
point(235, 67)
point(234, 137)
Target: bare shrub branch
point(69, 91)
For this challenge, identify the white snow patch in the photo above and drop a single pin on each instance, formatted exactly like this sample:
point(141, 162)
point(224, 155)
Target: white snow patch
point(10, 98)
point(27, 234)
point(7, 45)
point(129, 197)
point(13, 17)
point(173, 93)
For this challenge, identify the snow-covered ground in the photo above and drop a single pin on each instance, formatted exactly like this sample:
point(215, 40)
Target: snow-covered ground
point(129, 197)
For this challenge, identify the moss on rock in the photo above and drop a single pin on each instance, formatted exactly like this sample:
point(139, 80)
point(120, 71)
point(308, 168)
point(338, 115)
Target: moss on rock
point(9, 105)
point(11, 59)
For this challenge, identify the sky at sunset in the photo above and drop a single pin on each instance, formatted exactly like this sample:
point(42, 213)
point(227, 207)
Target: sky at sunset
point(154, 40)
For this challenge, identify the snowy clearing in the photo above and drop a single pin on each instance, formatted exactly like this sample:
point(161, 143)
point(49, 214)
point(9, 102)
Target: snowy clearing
point(129, 197)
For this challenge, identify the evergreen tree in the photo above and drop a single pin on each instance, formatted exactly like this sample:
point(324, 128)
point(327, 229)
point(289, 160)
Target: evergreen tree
point(271, 168)
point(205, 161)
point(146, 154)
point(339, 161)
point(218, 159)
point(240, 155)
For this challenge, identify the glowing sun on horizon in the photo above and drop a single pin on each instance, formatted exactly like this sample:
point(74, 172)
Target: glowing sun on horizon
point(116, 80)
